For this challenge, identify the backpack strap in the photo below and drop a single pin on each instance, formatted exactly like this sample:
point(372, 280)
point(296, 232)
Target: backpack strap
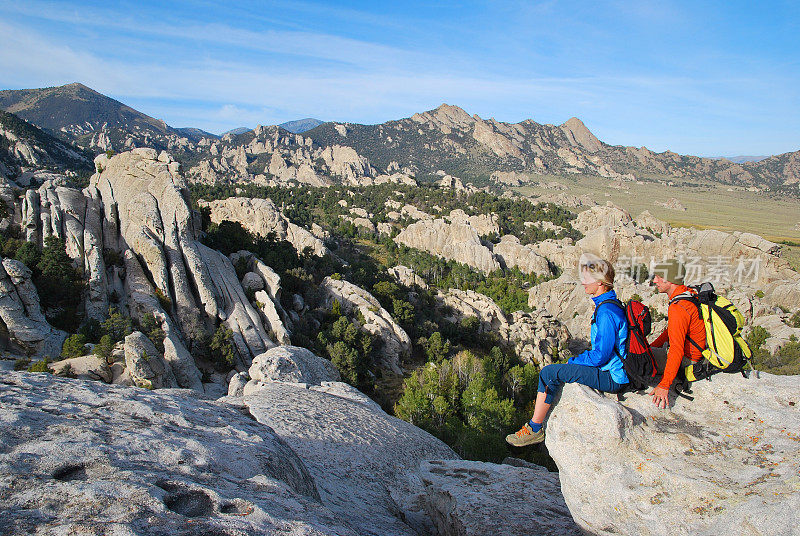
point(610, 300)
point(619, 304)
point(689, 295)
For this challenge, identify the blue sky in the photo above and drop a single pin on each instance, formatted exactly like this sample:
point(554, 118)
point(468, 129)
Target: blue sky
point(706, 78)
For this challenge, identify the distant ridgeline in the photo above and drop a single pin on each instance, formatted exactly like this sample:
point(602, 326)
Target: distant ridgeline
point(446, 140)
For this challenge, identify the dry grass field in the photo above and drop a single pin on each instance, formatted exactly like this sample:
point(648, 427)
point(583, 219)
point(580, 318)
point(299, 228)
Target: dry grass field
point(707, 207)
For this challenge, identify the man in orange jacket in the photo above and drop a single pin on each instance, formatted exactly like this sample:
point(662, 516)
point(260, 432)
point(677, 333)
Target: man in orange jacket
point(683, 322)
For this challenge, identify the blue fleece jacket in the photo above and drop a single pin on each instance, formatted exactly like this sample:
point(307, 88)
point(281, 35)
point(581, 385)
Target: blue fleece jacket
point(609, 330)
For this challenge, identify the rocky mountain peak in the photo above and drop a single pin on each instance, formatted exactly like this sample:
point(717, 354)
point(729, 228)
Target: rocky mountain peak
point(445, 118)
point(577, 132)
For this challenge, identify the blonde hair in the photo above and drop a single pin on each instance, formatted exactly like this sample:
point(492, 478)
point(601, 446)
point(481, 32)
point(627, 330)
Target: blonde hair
point(598, 269)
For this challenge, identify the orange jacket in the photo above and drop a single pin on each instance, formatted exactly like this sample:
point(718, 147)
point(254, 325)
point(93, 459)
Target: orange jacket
point(682, 319)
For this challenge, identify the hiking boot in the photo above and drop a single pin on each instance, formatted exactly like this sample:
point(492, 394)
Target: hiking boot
point(525, 436)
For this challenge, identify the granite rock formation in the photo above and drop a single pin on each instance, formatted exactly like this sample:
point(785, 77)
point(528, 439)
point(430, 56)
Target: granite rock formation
point(136, 209)
point(378, 321)
point(726, 462)
point(261, 217)
point(512, 253)
point(362, 460)
point(406, 276)
point(467, 498)
point(86, 458)
point(21, 314)
point(458, 242)
point(292, 364)
point(537, 336)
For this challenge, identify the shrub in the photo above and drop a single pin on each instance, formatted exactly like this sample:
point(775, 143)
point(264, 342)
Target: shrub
point(112, 257)
point(92, 329)
point(151, 327)
point(74, 346)
point(757, 336)
point(59, 285)
point(336, 309)
point(403, 312)
point(786, 361)
point(437, 347)
point(794, 321)
point(22, 363)
point(385, 290)
point(250, 294)
point(350, 363)
point(104, 348)
point(66, 371)
point(759, 294)
point(28, 253)
point(117, 325)
point(41, 366)
point(222, 349)
point(163, 300)
point(228, 237)
point(241, 267)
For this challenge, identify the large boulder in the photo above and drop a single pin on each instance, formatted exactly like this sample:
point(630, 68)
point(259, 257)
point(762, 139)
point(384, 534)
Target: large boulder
point(261, 217)
point(457, 241)
point(85, 367)
point(468, 303)
point(780, 332)
point(141, 301)
point(601, 216)
point(145, 364)
point(362, 460)
point(538, 337)
point(725, 463)
point(148, 219)
point(266, 285)
point(22, 315)
point(235, 310)
point(484, 224)
point(86, 458)
point(512, 253)
point(466, 498)
point(406, 276)
point(292, 364)
point(566, 300)
point(377, 320)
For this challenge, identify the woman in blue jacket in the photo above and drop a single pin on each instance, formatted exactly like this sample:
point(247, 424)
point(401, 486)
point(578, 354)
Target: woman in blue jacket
point(599, 368)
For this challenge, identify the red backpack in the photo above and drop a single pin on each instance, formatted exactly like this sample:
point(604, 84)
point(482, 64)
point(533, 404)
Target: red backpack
point(639, 364)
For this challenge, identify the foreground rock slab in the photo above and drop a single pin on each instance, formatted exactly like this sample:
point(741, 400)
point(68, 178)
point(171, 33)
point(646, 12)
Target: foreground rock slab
point(726, 463)
point(80, 457)
point(359, 456)
point(467, 498)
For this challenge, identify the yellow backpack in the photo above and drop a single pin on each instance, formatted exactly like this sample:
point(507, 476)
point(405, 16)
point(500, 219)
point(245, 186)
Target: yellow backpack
point(726, 350)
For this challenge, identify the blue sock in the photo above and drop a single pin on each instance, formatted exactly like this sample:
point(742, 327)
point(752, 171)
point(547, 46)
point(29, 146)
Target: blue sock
point(535, 426)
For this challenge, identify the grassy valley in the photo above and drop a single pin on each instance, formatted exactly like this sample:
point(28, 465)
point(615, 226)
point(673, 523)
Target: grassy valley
point(711, 206)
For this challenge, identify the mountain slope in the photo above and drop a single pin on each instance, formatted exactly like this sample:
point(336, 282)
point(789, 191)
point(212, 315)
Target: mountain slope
point(449, 139)
point(301, 125)
point(235, 131)
point(24, 145)
point(445, 139)
point(80, 115)
point(74, 109)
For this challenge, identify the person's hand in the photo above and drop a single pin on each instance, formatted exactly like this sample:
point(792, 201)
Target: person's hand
point(660, 397)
